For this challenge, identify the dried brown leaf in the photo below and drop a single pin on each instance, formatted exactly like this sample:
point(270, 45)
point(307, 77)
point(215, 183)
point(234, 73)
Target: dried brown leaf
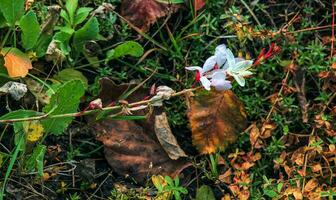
point(131, 147)
point(143, 13)
point(130, 150)
point(311, 185)
point(299, 80)
point(216, 118)
point(166, 137)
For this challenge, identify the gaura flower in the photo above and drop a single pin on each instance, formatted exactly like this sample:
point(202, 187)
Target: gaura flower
point(214, 62)
point(218, 80)
point(237, 67)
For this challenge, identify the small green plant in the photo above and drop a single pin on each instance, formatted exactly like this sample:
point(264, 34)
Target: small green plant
point(168, 187)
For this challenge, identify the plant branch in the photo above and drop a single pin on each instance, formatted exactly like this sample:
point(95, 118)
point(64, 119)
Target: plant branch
point(88, 112)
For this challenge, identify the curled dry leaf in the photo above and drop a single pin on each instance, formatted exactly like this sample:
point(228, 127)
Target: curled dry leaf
point(131, 147)
point(166, 137)
point(299, 80)
point(143, 13)
point(17, 63)
point(216, 118)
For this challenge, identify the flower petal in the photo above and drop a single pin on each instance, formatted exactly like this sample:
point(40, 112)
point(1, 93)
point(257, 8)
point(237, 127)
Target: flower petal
point(230, 57)
point(209, 64)
point(206, 83)
point(220, 54)
point(240, 80)
point(219, 82)
point(245, 73)
point(193, 68)
point(242, 65)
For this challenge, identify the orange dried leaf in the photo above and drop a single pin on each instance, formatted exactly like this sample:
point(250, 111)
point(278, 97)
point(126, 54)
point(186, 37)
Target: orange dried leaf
point(311, 185)
point(143, 13)
point(16, 62)
point(215, 119)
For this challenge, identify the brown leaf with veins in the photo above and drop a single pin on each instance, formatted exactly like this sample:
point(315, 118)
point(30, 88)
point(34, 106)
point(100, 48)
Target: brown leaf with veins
point(131, 146)
point(166, 137)
point(216, 118)
point(143, 13)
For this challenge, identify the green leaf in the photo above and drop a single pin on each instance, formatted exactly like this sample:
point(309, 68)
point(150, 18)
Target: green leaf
point(127, 48)
point(35, 160)
point(81, 15)
point(71, 74)
point(71, 6)
point(270, 193)
point(66, 17)
point(205, 192)
point(12, 10)
point(42, 44)
point(2, 20)
point(62, 38)
point(89, 31)
point(19, 114)
point(65, 100)
point(30, 30)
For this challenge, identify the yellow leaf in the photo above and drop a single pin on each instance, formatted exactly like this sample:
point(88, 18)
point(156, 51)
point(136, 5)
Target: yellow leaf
point(34, 130)
point(159, 182)
point(216, 118)
point(16, 62)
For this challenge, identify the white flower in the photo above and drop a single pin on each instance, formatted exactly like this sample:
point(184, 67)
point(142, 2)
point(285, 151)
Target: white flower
point(237, 67)
point(218, 80)
point(213, 62)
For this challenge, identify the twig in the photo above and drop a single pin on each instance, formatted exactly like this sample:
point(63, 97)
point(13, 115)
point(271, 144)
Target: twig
point(277, 99)
point(333, 29)
point(251, 12)
point(88, 112)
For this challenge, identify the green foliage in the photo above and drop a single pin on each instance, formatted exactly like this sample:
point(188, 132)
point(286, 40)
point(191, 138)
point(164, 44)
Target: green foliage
point(35, 160)
point(205, 192)
point(174, 187)
point(12, 10)
point(81, 14)
point(65, 100)
point(30, 30)
point(71, 74)
point(89, 31)
point(127, 48)
point(18, 114)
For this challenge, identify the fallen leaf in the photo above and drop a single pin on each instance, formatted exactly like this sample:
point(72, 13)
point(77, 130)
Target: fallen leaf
point(17, 63)
point(130, 150)
point(131, 147)
point(166, 137)
point(311, 185)
point(216, 118)
point(299, 80)
point(297, 194)
point(255, 140)
point(143, 13)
